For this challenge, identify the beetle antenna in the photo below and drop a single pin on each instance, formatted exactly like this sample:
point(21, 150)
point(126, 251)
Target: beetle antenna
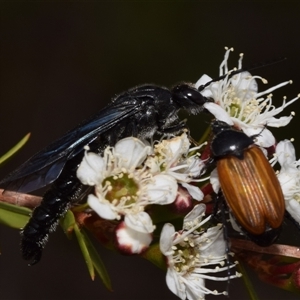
point(225, 234)
point(250, 68)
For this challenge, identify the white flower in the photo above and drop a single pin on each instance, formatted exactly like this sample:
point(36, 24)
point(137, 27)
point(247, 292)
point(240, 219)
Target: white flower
point(237, 102)
point(123, 186)
point(193, 255)
point(171, 157)
point(129, 153)
point(289, 177)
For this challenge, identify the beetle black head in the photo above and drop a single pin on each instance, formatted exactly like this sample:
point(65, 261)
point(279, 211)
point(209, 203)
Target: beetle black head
point(228, 141)
point(189, 98)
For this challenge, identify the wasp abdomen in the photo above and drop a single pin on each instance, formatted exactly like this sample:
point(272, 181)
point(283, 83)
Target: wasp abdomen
point(43, 220)
point(66, 190)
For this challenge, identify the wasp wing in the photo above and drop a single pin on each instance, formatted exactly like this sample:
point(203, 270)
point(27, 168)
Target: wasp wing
point(45, 166)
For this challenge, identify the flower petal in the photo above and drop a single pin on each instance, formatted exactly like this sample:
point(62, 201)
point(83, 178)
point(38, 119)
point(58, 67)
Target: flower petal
point(244, 82)
point(102, 209)
point(219, 113)
point(214, 180)
point(130, 241)
point(133, 152)
point(140, 222)
point(263, 136)
point(195, 213)
point(90, 170)
point(279, 122)
point(162, 189)
point(166, 238)
point(204, 79)
point(194, 191)
point(285, 152)
point(175, 285)
point(177, 147)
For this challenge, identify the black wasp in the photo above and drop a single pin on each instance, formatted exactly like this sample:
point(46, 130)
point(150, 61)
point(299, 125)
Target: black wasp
point(143, 112)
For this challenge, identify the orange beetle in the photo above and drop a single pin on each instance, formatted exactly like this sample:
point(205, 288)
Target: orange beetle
point(249, 184)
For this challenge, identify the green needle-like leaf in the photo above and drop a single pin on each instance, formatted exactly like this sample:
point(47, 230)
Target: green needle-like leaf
point(90, 254)
point(13, 215)
point(15, 148)
point(85, 252)
point(97, 262)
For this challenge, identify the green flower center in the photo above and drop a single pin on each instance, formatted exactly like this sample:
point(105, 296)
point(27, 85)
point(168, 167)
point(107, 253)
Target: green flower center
point(186, 256)
point(238, 108)
point(121, 187)
point(235, 109)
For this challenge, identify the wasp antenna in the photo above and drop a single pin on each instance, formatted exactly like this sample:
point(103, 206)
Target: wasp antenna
point(245, 69)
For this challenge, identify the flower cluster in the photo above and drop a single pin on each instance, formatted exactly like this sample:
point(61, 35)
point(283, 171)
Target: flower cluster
point(132, 177)
point(193, 254)
point(238, 103)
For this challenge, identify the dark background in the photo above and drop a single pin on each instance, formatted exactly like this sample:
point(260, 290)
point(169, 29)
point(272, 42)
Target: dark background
point(61, 62)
